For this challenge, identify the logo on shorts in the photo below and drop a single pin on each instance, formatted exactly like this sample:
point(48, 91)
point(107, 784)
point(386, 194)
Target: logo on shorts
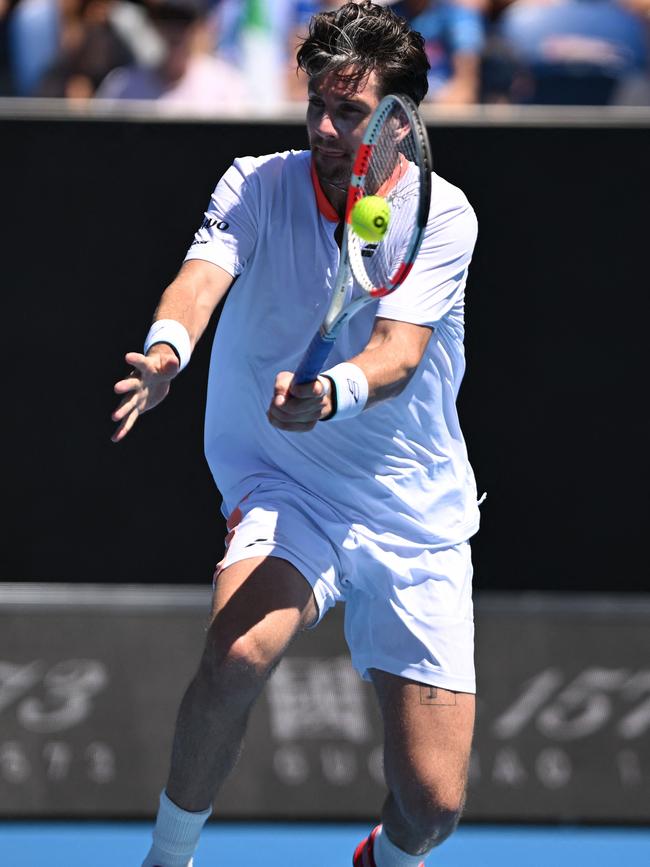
point(353, 388)
point(250, 544)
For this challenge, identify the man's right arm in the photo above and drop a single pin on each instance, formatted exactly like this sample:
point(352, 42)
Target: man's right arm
point(189, 300)
point(192, 297)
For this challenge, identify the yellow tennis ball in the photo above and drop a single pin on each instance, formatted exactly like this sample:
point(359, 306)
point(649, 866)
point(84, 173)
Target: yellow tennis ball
point(370, 218)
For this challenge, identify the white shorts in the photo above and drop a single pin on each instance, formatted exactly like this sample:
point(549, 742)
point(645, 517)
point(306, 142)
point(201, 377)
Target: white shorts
point(408, 609)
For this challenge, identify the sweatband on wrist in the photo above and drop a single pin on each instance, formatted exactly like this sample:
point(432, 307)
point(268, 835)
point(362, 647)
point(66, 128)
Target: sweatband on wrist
point(349, 392)
point(172, 332)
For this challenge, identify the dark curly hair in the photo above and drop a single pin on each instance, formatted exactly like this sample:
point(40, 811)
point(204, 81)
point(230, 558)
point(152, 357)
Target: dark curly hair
point(366, 37)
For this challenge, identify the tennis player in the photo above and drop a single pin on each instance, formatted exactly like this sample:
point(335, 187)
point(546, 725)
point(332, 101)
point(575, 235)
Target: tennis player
point(352, 488)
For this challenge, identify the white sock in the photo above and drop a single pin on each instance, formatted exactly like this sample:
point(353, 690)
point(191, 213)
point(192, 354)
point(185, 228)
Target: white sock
point(387, 854)
point(175, 835)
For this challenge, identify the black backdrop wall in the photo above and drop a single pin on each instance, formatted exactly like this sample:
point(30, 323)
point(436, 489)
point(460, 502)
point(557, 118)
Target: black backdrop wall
point(96, 218)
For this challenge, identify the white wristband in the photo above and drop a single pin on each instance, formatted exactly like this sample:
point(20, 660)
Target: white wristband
point(350, 390)
point(172, 332)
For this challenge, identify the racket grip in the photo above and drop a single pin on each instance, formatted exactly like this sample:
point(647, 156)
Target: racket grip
point(314, 359)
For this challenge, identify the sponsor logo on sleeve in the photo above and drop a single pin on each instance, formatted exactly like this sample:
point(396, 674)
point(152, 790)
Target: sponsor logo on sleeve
point(208, 224)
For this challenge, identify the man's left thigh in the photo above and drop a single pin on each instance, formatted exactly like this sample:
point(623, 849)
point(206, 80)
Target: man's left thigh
point(411, 613)
point(428, 738)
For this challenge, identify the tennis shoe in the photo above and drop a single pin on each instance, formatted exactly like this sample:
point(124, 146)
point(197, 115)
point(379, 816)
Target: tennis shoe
point(363, 854)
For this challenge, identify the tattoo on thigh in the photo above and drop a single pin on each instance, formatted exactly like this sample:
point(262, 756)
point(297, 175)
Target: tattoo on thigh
point(434, 695)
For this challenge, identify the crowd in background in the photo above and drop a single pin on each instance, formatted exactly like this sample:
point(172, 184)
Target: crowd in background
point(226, 55)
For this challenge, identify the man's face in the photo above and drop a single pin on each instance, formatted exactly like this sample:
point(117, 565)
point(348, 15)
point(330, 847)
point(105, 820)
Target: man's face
point(337, 117)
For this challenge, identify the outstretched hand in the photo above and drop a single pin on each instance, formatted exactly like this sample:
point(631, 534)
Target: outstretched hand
point(298, 407)
point(145, 387)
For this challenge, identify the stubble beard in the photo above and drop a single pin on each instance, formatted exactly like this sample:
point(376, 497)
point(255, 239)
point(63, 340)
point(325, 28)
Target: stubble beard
point(333, 175)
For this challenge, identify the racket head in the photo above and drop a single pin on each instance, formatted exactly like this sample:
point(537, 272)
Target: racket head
point(393, 161)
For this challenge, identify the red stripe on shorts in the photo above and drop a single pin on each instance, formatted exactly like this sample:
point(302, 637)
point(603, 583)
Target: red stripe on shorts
point(233, 521)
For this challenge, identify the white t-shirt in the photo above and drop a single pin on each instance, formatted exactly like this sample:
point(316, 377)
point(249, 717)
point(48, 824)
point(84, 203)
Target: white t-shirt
point(400, 468)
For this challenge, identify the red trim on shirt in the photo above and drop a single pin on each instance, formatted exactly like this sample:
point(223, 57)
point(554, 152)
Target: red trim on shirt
point(324, 205)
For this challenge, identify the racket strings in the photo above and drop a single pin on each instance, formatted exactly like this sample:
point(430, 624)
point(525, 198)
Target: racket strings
point(393, 174)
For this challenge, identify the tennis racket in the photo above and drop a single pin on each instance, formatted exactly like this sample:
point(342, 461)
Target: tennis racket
point(393, 161)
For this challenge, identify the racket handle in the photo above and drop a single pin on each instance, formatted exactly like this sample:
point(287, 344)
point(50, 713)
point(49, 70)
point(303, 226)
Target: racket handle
point(314, 359)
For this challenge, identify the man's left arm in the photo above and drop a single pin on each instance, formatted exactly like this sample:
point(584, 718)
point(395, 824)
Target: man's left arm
point(387, 363)
point(404, 323)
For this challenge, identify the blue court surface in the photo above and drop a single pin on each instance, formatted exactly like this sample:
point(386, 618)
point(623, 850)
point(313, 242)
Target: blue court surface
point(107, 844)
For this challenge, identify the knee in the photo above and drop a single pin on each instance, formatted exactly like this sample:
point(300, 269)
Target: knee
point(432, 810)
point(236, 666)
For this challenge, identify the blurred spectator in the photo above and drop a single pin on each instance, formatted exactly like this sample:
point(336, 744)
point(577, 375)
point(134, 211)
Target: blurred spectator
point(64, 48)
point(565, 52)
point(301, 12)
point(252, 34)
point(187, 73)
point(91, 47)
point(234, 52)
point(6, 78)
point(453, 32)
point(634, 89)
point(33, 36)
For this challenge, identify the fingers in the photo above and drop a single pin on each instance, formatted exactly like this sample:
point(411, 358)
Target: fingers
point(144, 387)
point(295, 412)
point(281, 388)
point(298, 406)
point(294, 416)
point(131, 383)
point(127, 411)
point(161, 362)
point(286, 386)
point(136, 360)
point(125, 407)
point(305, 390)
point(125, 427)
point(138, 363)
